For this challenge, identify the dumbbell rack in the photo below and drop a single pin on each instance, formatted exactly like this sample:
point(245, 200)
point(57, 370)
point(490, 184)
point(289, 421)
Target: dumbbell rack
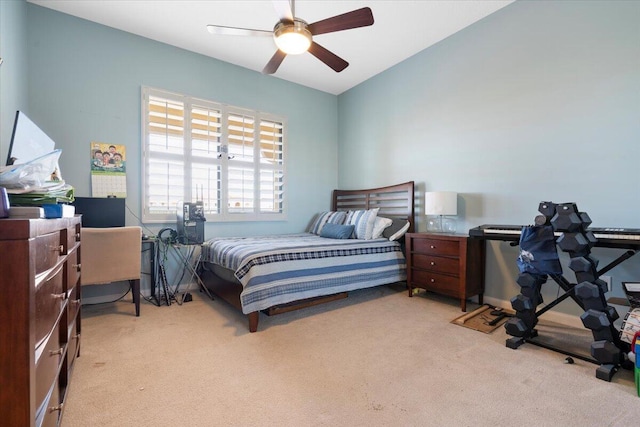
point(570, 227)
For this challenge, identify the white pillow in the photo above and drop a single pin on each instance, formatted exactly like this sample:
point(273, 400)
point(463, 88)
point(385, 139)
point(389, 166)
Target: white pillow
point(363, 220)
point(379, 225)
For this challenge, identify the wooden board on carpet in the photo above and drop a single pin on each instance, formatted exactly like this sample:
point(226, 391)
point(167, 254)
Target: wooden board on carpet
point(481, 319)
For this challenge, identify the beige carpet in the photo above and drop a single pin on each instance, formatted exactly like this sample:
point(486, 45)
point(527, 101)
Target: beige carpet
point(377, 358)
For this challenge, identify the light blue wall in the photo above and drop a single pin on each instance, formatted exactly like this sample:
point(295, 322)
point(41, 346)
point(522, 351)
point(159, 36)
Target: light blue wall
point(84, 85)
point(539, 101)
point(13, 71)
point(85, 81)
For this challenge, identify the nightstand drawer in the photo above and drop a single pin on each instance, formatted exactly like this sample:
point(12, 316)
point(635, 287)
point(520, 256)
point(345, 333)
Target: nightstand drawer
point(450, 264)
point(436, 282)
point(437, 264)
point(436, 247)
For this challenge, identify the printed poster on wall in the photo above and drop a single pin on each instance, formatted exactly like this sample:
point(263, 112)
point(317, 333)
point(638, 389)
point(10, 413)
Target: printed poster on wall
point(108, 170)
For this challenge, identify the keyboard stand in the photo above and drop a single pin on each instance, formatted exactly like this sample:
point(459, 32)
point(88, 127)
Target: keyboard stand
point(511, 234)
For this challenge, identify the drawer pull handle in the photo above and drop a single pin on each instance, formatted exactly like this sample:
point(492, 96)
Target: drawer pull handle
point(56, 352)
point(78, 267)
point(59, 248)
point(433, 246)
point(56, 408)
point(77, 237)
point(433, 280)
point(75, 301)
point(433, 263)
point(76, 336)
point(61, 296)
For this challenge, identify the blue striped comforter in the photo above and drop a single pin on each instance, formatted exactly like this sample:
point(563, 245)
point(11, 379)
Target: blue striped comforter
point(279, 269)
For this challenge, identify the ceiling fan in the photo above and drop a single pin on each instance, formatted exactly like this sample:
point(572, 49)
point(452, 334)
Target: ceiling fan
point(294, 36)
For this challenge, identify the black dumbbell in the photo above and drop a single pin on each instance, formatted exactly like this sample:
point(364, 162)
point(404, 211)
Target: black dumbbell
point(613, 313)
point(576, 243)
point(587, 290)
point(605, 334)
point(516, 327)
point(521, 303)
point(595, 320)
point(533, 294)
point(606, 352)
point(548, 209)
point(591, 297)
point(583, 264)
point(586, 220)
point(566, 218)
point(530, 280)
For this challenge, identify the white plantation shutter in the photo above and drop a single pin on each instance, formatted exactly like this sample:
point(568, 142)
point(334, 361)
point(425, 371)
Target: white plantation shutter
point(233, 160)
point(206, 148)
point(164, 160)
point(271, 166)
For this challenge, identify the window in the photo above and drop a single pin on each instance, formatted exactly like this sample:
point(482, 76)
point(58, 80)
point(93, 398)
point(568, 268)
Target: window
point(231, 159)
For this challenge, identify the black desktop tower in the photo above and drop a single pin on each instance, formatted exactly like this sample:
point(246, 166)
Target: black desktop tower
point(190, 226)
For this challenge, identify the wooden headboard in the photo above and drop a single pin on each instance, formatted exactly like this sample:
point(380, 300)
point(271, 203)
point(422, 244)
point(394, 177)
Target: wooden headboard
point(395, 201)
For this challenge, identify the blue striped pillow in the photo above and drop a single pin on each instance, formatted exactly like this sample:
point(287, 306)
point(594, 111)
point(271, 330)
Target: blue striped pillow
point(327, 217)
point(336, 231)
point(363, 221)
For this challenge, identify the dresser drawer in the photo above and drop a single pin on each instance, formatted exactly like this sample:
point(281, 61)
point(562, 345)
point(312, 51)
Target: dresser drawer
point(437, 264)
point(48, 360)
point(48, 251)
point(72, 237)
point(73, 269)
point(436, 247)
point(48, 415)
point(50, 300)
point(436, 282)
point(73, 303)
point(74, 342)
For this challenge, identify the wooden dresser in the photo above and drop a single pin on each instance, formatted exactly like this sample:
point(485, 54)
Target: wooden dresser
point(40, 317)
point(449, 264)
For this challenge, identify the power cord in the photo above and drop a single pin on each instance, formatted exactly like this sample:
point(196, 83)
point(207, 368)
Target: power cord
point(109, 302)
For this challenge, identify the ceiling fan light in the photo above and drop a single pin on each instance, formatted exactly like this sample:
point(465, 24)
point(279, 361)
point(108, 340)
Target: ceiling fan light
point(292, 39)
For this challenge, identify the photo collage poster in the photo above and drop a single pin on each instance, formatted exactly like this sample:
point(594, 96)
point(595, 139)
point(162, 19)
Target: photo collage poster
point(108, 170)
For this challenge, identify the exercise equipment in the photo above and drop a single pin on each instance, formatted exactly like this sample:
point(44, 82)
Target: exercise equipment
point(563, 226)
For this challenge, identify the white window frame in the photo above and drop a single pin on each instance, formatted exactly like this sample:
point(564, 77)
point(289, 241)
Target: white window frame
point(224, 213)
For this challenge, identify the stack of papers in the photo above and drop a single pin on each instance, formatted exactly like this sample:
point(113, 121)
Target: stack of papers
point(55, 193)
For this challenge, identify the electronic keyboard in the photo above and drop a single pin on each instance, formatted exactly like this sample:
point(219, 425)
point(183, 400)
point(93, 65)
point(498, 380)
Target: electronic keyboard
point(607, 237)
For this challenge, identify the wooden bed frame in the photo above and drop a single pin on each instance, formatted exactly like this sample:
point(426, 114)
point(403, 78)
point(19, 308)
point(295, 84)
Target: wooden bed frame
point(395, 201)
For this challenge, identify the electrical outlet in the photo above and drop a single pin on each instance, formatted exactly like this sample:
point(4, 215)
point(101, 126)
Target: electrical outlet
point(607, 280)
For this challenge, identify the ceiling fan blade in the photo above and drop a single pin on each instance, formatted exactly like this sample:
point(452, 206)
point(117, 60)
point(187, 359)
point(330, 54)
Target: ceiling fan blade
point(274, 62)
point(354, 19)
point(284, 9)
point(331, 59)
point(236, 31)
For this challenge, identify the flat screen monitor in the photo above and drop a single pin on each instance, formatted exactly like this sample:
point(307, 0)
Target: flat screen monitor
point(101, 212)
point(28, 141)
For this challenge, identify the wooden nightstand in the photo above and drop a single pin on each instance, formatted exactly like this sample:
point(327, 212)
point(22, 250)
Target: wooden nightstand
point(448, 264)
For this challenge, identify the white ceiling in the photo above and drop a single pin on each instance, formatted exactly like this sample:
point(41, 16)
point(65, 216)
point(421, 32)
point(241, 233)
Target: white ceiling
point(402, 28)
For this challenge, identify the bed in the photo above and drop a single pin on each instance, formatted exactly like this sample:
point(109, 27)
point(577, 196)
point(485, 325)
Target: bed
point(277, 274)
